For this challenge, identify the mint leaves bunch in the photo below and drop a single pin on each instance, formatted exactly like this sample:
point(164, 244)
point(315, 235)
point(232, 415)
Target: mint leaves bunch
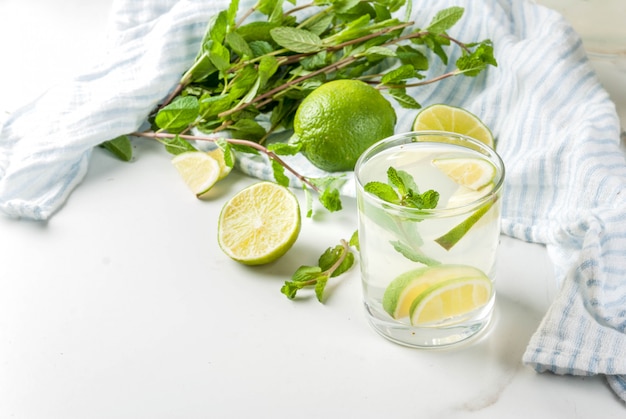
point(251, 73)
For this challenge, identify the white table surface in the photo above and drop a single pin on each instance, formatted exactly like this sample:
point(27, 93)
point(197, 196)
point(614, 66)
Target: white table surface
point(123, 306)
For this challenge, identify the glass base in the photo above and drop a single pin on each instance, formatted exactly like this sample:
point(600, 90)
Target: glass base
point(430, 337)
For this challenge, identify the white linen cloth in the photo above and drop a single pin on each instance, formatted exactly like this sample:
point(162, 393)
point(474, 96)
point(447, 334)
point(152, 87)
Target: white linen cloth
point(557, 132)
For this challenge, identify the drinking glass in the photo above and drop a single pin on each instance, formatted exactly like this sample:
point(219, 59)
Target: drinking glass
point(428, 271)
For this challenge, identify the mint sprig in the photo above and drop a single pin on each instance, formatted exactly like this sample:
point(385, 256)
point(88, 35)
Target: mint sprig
point(332, 263)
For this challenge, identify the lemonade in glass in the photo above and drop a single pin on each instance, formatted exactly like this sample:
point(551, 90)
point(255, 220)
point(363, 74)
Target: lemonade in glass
point(429, 226)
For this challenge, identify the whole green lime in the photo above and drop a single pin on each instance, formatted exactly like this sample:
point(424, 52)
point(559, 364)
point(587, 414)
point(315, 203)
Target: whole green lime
point(339, 120)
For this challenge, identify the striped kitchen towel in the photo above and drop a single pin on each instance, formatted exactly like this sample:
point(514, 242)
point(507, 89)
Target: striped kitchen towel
point(557, 132)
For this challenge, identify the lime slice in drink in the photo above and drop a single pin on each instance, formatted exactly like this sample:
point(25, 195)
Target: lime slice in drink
point(199, 171)
point(409, 286)
point(449, 299)
point(442, 117)
point(468, 172)
point(259, 224)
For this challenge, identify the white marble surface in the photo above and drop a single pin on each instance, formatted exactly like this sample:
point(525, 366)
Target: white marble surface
point(122, 306)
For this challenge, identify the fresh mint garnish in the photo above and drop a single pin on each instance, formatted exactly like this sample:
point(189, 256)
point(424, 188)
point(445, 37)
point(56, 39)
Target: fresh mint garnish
point(402, 190)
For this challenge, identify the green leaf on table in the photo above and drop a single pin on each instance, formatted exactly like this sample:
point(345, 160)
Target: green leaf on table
point(178, 115)
point(354, 240)
point(120, 147)
point(320, 286)
point(332, 255)
point(296, 40)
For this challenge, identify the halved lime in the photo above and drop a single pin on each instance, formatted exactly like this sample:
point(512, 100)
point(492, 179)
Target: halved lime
point(199, 171)
point(440, 117)
point(450, 299)
point(468, 172)
point(409, 286)
point(259, 224)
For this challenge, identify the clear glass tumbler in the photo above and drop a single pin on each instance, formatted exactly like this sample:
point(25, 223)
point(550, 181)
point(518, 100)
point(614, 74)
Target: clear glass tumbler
point(429, 227)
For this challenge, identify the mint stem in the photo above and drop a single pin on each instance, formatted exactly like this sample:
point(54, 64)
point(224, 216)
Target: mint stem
point(247, 143)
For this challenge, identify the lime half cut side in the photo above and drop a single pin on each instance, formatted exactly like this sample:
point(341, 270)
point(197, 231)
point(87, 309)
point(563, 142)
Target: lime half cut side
point(259, 224)
point(440, 117)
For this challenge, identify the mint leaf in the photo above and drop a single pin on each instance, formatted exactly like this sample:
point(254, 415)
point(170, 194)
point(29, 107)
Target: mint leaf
point(412, 254)
point(383, 191)
point(403, 99)
point(279, 173)
point(407, 180)
point(332, 263)
point(472, 64)
point(285, 149)
point(396, 181)
point(401, 73)
point(120, 147)
point(178, 115)
point(445, 19)
point(320, 286)
point(296, 40)
point(239, 44)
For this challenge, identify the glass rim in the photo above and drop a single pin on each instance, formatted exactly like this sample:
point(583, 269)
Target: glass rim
point(477, 146)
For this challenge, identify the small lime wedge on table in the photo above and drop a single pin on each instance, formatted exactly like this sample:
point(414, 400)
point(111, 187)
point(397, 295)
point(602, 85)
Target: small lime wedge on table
point(259, 224)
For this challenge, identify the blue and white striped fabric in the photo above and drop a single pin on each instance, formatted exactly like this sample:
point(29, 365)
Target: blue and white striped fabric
point(556, 129)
